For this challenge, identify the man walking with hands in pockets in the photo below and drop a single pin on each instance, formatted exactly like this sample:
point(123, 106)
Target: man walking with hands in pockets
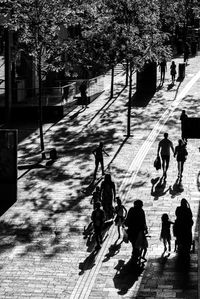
point(164, 150)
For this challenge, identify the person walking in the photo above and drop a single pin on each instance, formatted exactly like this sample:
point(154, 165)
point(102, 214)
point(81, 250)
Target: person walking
point(98, 153)
point(173, 71)
point(84, 98)
point(183, 226)
point(183, 119)
point(163, 69)
point(98, 218)
point(165, 234)
point(121, 214)
point(137, 229)
point(96, 196)
point(180, 153)
point(108, 195)
point(164, 147)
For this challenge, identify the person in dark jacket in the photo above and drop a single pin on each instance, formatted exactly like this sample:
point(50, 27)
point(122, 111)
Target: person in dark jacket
point(98, 217)
point(98, 153)
point(137, 229)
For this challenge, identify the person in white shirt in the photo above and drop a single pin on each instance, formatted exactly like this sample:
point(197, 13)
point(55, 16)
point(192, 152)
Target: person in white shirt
point(164, 147)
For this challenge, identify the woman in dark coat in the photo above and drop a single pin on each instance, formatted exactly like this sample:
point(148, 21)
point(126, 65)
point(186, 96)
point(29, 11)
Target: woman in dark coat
point(136, 223)
point(183, 226)
point(108, 195)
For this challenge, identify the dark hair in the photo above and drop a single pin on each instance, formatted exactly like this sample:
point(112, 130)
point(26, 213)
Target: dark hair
point(165, 135)
point(138, 203)
point(164, 217)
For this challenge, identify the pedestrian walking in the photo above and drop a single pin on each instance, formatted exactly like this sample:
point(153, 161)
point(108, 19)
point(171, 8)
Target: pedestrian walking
point(84, 98)
point(183, 226)
point(137, 230)
point(163, 69)
point(164, 147)
point(183, 119)
point(181, 154)
point(108, 194)
point(96, 196)
point(165, 234)
point(173, 71)
point(186, 52)
point(98, 153)
point(98, 218)
point(121, 214)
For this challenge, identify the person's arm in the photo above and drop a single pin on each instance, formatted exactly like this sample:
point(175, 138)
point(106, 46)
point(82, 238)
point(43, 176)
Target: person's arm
point(172, 147)
point(158, 152)
point(114, 192)
point(125, 212)
point(103, 150)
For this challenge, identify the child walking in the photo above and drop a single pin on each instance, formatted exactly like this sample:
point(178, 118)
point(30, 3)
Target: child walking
point(121, 214)
point(165, 232)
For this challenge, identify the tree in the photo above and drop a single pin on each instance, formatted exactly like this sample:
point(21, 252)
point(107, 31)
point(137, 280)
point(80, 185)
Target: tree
point(138, 32)
point(37, 23)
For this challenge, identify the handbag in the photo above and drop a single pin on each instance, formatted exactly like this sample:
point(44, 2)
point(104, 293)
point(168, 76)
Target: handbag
point(157, 163)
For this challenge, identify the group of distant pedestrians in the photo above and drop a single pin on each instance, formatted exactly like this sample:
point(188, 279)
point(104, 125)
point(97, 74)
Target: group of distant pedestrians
point(163, 69)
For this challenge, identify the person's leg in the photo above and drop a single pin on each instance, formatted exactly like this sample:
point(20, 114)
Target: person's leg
point(181, 168)
point(165, 244)
point(163, 164)
point(167, 163)
point(118, 229)
point(102, 166)
point(169, 245)
point(96, 168)
point(178, 164)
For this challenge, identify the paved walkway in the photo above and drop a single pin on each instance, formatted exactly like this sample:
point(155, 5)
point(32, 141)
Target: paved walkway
point(43, 253)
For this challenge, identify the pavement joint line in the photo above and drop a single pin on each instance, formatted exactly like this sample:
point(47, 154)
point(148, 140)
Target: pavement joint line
point(90, 276)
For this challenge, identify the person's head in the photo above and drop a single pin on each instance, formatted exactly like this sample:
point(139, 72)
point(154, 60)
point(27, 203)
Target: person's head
point(138, 203)
point(107, 177)
point(119, 202)
point(180, 142)
point(101, 144)
point(183, 111)
point(173, 62)
point(164, 217)
point(184, 203)
point(166, 135)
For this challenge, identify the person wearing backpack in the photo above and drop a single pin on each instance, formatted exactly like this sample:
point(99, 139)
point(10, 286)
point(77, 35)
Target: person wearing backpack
point(180, 153)
point(98, 218)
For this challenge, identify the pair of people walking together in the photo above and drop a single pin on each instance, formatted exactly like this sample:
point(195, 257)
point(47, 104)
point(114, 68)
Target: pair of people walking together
point(165, 146)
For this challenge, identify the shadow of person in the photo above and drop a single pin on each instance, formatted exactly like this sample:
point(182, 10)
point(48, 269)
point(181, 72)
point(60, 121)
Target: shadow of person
point(158, 187)
point(126, 275)
point(112, 251)
point(88, 263)
point(170, 86)
point(176, 189)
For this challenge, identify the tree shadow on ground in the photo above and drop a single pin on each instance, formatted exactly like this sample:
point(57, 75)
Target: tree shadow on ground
point(126, 275)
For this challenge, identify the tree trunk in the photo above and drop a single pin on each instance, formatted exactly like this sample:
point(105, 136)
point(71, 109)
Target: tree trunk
point(8, 85)
point(112, 82)
point(129, 104)
point(126, 82)
point(40, 108)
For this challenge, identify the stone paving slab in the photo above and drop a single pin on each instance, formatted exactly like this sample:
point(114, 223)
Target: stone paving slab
point(43, 253)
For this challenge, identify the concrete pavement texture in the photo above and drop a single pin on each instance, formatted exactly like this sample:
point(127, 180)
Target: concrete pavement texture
point(43, 252)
